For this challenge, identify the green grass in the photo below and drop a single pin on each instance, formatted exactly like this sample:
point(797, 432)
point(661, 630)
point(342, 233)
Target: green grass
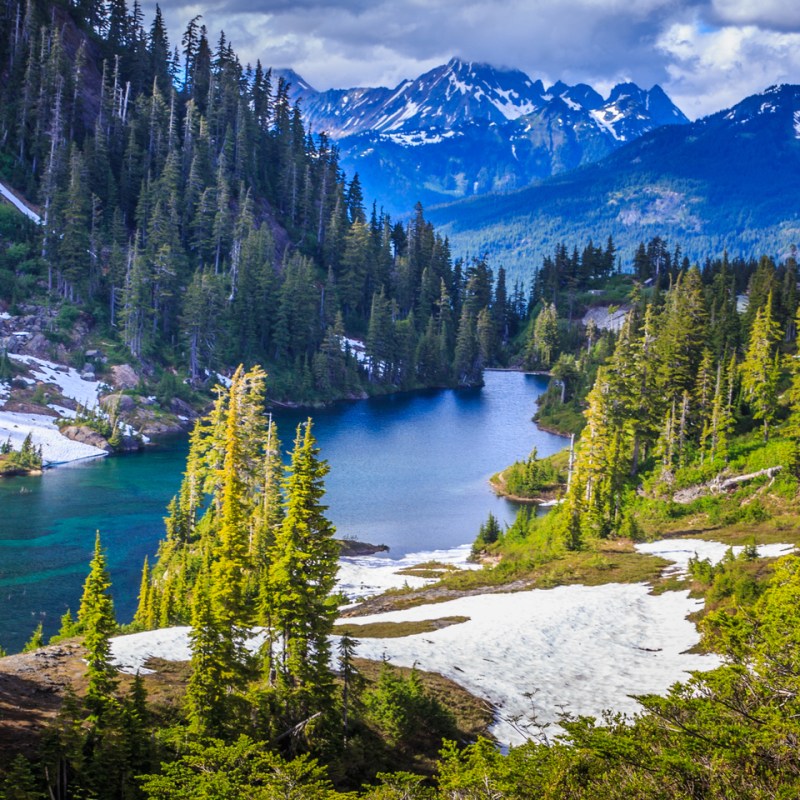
point(395, 630)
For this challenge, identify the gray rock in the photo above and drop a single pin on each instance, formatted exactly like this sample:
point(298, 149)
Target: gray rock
point(80, 433)
point(178, 406)
point(122, 403)
point(123, 376)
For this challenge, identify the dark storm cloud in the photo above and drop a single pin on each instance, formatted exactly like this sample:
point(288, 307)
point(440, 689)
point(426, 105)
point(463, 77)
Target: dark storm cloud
point(695, 48)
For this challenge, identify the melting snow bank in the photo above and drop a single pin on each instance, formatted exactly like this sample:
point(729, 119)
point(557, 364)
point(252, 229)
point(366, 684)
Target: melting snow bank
point(19, 205)
point(68, 380)
point(365, 576)
point(679, 551)
point(574, 649)
point(56, 449)
point(580, 649)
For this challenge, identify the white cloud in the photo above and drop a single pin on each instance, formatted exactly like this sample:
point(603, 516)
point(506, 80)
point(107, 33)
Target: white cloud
point(777, 14)
point(713, 69)
point(709, 52)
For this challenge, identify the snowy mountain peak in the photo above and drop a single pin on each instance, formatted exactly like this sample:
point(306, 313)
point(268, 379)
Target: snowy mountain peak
point(467, 127)
point(298, 85)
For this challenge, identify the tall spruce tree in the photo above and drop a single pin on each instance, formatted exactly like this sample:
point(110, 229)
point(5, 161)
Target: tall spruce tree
point(97, 623)
point(303, 575)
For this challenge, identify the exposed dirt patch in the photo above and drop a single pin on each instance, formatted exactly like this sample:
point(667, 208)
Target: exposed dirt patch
point(32, 687)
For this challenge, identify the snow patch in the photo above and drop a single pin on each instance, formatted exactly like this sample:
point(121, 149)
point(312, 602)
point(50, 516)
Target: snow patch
point(19, 205)
point(418, 138)
point(357, 348)
point(131, 652)
point(582, 649)
point(68, 380)
point(797, 124)
point(365, 576)
point(606, 118)
point(56, 449)
point(679, 551)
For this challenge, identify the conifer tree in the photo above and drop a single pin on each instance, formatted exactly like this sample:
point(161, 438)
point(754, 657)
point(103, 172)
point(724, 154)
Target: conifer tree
point(760, 367)
point(303, 573)
point(97, 623)
point(36, 641)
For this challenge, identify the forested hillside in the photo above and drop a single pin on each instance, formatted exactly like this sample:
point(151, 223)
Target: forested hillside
point(186, 209)
point(724, 182)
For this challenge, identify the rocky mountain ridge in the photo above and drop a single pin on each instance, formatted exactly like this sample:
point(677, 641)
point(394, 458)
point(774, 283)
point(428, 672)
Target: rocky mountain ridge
point(465, 129)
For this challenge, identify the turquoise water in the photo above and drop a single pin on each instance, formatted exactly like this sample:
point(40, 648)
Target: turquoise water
point(408, 471)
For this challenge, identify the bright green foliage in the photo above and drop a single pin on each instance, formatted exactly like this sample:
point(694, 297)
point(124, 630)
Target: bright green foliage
point(69, 627)
point(760, 368)
point(403, 710)
point(793, 396)
point(36, 641)
point(302, 576)
point(529, 477)
point(488, 534)
point(214, 669)
point(28, 457)
point(97, 623)
point(718, 427)
point(543, 342)
point(218, 771)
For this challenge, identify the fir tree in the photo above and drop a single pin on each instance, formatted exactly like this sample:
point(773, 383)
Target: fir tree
point(760, 367)
point(303, 574)
point(97, 623)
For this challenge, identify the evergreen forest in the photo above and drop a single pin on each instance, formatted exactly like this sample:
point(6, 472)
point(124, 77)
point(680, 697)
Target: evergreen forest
point(188, 214)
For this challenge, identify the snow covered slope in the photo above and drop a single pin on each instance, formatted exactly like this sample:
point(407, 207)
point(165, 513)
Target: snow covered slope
point(465, 128)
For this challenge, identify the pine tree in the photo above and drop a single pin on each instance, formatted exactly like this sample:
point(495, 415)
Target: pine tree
point(208, 690)
point(303, 574)
point(97, 623)
point(36, 641)
point(760, 368)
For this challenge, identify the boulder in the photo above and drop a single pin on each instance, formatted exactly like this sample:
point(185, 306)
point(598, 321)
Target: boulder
point(123, 376)
point(182, 408)
point(80, 433)
point(121, 403)
point(37, 346)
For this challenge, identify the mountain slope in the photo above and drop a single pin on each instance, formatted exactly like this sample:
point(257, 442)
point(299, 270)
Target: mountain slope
point(730, 180)
point(465, 129)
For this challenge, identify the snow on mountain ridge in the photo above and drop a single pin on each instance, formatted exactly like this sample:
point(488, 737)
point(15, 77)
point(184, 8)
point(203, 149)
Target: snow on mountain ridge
point(461, 93)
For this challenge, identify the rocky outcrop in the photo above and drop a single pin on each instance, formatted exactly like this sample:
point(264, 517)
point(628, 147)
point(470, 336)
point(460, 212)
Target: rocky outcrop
point(85, 435)
point(123, 376)
point(118, 403)
point(37, 331)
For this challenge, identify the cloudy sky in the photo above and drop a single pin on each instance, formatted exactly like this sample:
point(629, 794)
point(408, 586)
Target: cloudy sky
point(707, 54)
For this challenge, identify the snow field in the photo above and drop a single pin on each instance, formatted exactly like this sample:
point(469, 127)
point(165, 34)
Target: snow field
point(577, 649)
point(56, 449)
point(365, 576)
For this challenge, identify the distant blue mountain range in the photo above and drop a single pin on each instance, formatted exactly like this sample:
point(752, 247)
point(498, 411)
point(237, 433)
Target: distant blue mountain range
point(728, 181)
point(467, 129)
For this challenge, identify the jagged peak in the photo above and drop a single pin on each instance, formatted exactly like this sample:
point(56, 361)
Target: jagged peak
point(298, 83)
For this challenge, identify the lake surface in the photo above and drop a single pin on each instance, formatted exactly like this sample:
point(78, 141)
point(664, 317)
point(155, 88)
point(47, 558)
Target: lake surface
point(408, 470)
